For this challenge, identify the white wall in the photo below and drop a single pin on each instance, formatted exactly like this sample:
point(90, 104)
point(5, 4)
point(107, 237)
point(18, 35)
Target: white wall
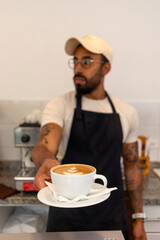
point(33, 64)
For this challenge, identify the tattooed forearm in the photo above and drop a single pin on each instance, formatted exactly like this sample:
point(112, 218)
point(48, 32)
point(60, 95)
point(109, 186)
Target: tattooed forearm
point(48, 143)
point(45, 131)
point(136, 199)
point(133, 175)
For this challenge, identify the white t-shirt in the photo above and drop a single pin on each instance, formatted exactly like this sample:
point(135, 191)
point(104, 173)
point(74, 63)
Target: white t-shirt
point(60, 110)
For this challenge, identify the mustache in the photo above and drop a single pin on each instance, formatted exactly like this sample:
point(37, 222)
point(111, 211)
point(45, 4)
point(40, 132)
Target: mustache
point(80, 75)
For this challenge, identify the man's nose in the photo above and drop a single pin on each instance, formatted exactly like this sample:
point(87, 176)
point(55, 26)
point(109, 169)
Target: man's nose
point(78, 67)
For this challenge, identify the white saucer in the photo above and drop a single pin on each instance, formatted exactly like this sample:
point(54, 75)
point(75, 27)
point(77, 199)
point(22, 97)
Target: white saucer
point(46, 197)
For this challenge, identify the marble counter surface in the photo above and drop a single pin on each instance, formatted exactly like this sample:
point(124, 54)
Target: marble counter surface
point(8, 169)
point(151, 187)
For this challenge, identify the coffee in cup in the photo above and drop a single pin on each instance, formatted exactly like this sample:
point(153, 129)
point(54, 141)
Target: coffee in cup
point(73, 169)
point(73, 180)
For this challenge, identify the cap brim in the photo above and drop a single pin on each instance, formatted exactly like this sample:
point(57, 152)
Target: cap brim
point(71, 45)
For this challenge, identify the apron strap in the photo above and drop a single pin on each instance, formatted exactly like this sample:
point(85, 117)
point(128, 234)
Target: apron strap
point(110, 101)
point(79, 105)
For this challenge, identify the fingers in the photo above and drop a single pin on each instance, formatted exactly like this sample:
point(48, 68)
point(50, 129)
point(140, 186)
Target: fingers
point(43, 173)
point(40, 181)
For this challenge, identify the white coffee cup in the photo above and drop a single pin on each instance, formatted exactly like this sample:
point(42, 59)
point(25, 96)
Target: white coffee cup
point(73, 180)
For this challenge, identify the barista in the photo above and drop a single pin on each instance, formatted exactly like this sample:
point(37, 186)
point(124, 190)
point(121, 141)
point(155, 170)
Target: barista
point(93, 127)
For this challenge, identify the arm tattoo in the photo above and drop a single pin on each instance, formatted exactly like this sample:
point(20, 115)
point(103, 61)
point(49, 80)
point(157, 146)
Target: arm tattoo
point(136, 198)
point(133, 175)
point(130, 152)
point(45, 131)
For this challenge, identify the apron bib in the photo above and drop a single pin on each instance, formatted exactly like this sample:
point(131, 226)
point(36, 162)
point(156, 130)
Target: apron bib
point(95, 139)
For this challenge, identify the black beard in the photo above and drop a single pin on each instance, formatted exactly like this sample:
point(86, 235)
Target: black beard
point(84, 91)
point(88, 88)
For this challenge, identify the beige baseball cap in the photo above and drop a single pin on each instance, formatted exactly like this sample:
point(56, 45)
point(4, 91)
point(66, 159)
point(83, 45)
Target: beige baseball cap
point(92, 43)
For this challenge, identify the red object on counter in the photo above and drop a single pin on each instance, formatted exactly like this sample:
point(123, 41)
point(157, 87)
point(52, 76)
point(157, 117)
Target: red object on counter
point(29, 186)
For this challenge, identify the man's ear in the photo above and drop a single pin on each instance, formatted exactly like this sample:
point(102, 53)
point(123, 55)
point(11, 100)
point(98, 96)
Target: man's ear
point(106, 68)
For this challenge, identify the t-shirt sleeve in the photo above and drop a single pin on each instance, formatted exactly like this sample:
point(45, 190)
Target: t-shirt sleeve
point(53, 112)
point(134, 126)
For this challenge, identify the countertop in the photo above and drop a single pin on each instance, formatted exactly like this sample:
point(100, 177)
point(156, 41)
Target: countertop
point(151, 186)
point(8, 169)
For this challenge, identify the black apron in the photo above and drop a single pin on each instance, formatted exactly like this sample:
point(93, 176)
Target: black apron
point(95, 139)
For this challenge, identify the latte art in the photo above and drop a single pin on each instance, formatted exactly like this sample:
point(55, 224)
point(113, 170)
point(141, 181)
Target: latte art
point(73, 169)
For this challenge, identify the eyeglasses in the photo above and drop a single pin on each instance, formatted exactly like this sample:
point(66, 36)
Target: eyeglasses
point(85, 62)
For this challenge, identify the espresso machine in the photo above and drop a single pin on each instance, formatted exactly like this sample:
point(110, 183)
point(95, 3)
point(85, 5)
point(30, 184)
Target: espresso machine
point(25, 137)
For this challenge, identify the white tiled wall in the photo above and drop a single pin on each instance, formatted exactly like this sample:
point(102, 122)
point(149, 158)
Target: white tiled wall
point(13, 112)
point(149, 116)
